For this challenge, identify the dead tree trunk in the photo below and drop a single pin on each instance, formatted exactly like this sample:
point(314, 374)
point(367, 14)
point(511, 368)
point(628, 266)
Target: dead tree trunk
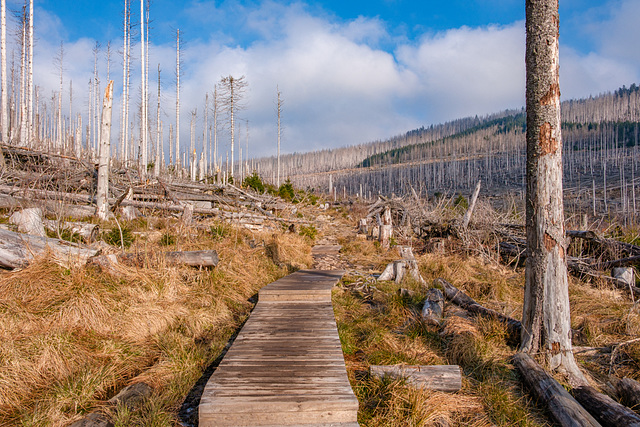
point(386, 229)
point(546, 317)
point(463, 300)
point(29, 221)
point(18, 250)
point(629, 392)
point(472, 205)
point(606, 410)
point(102, 196)
point(563, 408)
point(446, 378)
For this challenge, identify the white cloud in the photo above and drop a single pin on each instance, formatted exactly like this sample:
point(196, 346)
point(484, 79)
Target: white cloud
point(339, 86)
point(592, 74)
point(468, 71)
point(614, 29)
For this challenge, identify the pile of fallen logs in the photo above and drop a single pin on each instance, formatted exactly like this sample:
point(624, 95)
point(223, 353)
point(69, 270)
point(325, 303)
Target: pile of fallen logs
point(65, 187)
point(403, 220)
point(603, 254)
point(57, 193)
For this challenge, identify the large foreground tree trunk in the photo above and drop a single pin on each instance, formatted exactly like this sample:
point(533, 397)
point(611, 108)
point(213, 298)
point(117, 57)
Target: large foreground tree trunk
point(546, 317)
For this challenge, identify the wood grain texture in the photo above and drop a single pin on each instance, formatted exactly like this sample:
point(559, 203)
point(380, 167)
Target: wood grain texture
point(446, 378)
point(286, 366)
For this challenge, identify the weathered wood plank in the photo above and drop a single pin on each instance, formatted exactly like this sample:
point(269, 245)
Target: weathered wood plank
point(286, 366)
point(435, 377)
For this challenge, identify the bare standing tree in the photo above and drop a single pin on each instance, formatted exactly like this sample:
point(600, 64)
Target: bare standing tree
point(280, 102)
point(233, 90)
point(204, 131)
point(156, 163)
point(3, 54)
point(60, 61)
point(30, 78)
point(143, 89)
point(102, 195)
point(126, 43)
point(546, 326)
point(178, 165)
point(23, 77)
point(216, 166)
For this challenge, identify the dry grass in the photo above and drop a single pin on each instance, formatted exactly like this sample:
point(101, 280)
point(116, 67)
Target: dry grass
point(72, 338)
point(378, 327)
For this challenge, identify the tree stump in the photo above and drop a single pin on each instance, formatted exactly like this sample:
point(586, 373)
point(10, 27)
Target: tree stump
point(433, 308)
point(386, 229)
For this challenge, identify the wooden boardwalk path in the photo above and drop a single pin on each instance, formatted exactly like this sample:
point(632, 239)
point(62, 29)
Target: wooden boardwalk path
point(286, 366)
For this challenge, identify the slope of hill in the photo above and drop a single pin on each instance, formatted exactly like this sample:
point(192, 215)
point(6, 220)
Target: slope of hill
point(600, 136)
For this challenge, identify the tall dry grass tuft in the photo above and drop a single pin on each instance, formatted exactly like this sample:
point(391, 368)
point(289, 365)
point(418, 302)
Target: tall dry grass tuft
point(72, 338)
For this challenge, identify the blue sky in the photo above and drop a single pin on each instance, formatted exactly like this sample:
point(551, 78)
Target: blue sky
point(349, 71)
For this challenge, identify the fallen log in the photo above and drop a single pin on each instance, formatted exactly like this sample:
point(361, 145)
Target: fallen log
point(622, 262)
point(88, 232)
point(458, 297)
point(131, 397)
point(29, 221)
point(190, 258)
point(615, 246)
point(628, 391)
point(579, 267)
point(563, 408)
point(445, 378)
point(31, 194)
point(17, 250)
point(604, 409)
point(193, 258)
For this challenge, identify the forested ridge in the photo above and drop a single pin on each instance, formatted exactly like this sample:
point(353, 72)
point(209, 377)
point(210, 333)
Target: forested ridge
point(600, 143)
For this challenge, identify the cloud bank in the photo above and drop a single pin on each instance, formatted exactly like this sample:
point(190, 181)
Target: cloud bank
point(343, 82)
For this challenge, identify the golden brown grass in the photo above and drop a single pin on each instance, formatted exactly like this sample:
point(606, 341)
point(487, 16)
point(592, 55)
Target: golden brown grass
point(72, 338)
point(379, 327)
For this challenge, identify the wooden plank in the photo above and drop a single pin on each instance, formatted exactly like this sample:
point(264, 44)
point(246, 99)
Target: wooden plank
point(286, 366)
point(433, 377)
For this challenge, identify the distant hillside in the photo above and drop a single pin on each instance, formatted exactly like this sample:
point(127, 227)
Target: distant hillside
point(600, 136)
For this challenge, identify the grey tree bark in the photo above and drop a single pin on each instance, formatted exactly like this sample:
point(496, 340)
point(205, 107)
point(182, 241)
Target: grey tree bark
point(546, 317)
point(232, 92)
point(279, 134)
point(102, 196)
point(3, 64)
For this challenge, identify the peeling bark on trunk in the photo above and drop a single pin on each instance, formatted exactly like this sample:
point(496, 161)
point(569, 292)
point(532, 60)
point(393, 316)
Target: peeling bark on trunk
point(546, 317)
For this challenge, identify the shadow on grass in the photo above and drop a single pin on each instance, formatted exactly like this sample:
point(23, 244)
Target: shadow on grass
point(188, 414)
